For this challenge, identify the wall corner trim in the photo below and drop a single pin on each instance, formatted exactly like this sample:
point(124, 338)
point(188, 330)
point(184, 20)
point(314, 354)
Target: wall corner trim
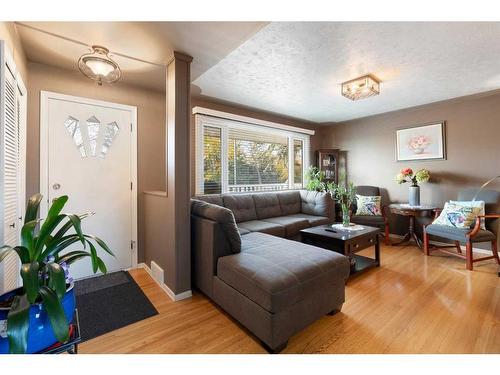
point(174, 297)
point(249, 120)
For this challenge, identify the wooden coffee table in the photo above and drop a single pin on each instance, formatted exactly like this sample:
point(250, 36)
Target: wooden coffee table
point(347, 243)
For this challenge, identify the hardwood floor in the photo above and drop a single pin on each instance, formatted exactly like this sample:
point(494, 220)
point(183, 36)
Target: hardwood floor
point(411, 304)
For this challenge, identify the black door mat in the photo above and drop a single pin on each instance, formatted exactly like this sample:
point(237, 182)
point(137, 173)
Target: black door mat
point(109, 302)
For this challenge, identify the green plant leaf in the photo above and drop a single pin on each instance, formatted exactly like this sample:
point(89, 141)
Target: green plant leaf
point(57, 279)
point(101, 265)
point(32, 207)
point(58, 245)
point(5, 251)
point(23, 254)
point(27, 238)
point(67, 226)
point(93, 257)
point(31, 281)
point(18, 321)
point(55, 312)
point(73, 256)
point(101, 243)
point(51, 222)
point(44, 236)
point(77, 224)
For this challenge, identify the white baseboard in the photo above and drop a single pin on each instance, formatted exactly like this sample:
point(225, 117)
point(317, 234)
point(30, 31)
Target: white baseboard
point(474, 249)
point(164, 287)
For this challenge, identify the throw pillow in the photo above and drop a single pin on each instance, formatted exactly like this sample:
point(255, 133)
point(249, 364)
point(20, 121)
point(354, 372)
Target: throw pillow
point(368, 205)
point(457, 215)
point(474, 204)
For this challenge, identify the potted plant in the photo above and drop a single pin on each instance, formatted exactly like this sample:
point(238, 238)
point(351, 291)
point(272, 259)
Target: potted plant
point(37, 315)
point(345, 194)
point(314, 179)
point(407, 175)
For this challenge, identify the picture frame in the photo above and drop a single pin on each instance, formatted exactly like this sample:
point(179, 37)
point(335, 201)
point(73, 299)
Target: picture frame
point(421, 142)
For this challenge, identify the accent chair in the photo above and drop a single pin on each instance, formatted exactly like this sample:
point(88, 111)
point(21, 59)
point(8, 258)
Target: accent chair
point(372, 220)
point(469, 236)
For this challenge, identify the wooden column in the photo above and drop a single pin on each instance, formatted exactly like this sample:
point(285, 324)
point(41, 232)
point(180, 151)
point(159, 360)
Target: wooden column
point(178, 266)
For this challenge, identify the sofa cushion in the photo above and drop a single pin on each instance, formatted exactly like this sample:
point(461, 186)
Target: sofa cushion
point(242, 205)
point(243, 231)
point(276, 273)
point(211, 198)
point(290, 202)
point(313, 220)
point(263, 226)
point(292, 224)
point(458, 234)
point(224, 217)
point(316, 203)
point(266, 205)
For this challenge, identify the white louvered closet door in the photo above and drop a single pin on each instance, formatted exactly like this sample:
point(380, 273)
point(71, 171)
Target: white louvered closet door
point(12, 172)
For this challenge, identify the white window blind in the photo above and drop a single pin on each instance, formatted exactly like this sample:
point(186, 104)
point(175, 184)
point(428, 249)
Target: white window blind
point(232, 156)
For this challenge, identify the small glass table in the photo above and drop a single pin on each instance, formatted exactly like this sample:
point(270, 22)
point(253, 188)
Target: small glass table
point(412, 212)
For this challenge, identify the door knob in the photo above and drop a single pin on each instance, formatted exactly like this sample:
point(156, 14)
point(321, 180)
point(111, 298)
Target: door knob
point(56, 186)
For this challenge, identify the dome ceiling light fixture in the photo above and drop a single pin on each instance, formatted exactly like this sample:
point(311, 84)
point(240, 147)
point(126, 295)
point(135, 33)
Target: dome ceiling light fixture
point(97, 65)
point(361, 87)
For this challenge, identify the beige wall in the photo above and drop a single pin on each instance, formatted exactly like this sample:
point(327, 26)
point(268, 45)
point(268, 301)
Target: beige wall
point(150, 122)
point(8, 33)
point(244, 111)
point(472, 142)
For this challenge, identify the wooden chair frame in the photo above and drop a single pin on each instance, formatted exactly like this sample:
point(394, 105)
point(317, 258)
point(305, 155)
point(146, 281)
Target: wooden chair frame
point(469, 255)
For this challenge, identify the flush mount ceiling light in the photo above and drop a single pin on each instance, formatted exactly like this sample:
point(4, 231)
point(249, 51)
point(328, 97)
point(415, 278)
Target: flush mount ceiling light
point(362, 87)
point(97, 65)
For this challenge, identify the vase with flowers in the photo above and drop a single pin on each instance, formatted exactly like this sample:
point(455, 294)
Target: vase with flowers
point(419, 177)
point(345, 194)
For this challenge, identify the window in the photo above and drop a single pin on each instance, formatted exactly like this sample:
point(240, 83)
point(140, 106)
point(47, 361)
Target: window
point(233, 156)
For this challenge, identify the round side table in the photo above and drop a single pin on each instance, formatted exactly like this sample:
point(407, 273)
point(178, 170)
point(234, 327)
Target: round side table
point(412, 212)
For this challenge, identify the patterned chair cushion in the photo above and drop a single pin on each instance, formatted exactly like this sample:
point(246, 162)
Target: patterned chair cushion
point(368, 205)
point(457, 215)
point(479, 204)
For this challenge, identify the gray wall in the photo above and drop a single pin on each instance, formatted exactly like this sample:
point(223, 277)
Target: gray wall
point(151, 171)
point(472, 142)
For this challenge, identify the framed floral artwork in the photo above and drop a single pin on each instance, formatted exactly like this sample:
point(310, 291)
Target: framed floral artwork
point(421, 142)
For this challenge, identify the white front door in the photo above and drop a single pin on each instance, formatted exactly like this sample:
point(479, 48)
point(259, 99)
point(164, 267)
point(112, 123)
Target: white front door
point(88, 153)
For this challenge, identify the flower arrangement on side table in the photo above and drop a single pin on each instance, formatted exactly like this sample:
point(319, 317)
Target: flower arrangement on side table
point(419, 177)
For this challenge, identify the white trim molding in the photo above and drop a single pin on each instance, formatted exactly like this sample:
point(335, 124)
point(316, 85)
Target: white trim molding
point(44, 155)
point(174, 297)
point(249, 120)
point(251, 125)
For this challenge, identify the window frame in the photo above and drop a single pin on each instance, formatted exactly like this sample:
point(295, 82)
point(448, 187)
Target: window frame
point(224, 125)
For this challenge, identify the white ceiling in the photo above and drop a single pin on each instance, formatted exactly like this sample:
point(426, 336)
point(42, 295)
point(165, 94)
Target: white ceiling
point(296, 68)
point(207, 42)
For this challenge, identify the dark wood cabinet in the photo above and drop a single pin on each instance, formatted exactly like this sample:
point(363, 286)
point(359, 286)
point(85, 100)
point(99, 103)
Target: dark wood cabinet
point(328, 162)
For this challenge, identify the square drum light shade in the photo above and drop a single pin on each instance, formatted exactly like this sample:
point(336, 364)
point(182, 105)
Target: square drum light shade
point(362, 87)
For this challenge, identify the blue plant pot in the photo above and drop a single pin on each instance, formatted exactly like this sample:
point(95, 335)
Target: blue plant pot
point(40, 333)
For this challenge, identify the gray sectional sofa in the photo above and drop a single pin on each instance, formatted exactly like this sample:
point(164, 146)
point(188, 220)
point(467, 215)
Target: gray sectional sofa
point(247, 259)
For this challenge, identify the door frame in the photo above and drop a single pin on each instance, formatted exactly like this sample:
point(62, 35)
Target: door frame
point(7, 62)
point(45, 96)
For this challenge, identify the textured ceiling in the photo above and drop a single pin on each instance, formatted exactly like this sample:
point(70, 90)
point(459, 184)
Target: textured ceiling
point(207, 42)
point(296, 68)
